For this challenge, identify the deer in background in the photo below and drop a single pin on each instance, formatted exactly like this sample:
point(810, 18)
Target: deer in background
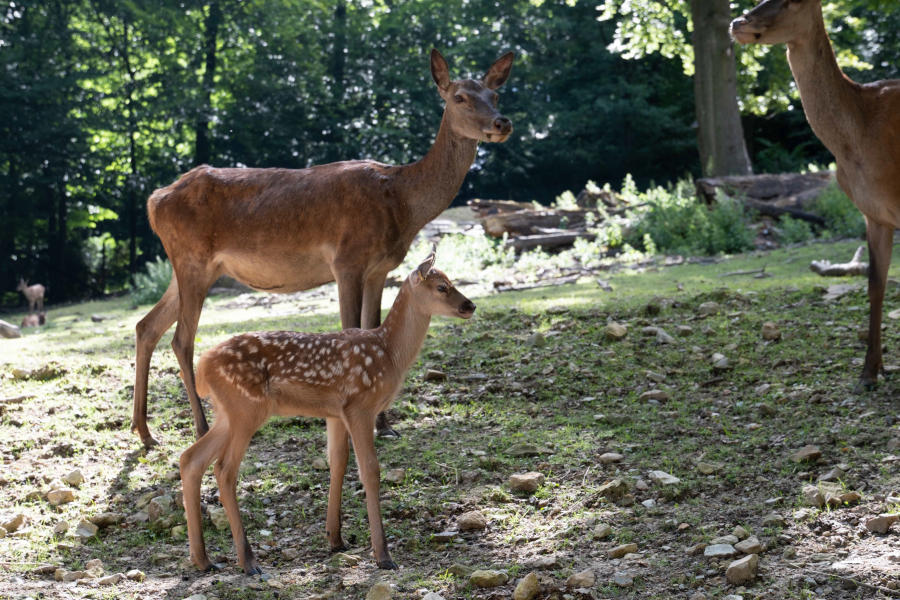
point(347, 378)
point(858, 123)
point(286, 230)
point(33, 293)
point(34, 320)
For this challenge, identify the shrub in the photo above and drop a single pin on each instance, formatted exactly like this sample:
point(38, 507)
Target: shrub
point(793, 231)
point(148, 287)
point(842, 218)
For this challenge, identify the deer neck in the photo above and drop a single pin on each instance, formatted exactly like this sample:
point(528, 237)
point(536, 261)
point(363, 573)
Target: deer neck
point(828, 96)
point(432, 183)
point(404, 329)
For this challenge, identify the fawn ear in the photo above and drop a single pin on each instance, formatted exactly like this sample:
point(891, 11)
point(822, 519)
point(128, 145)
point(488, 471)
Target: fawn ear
point(440, 72)
point(428, 263)
point(499, 71)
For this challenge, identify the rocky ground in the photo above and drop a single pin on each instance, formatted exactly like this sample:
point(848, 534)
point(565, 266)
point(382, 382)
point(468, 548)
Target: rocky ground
point(673, 432)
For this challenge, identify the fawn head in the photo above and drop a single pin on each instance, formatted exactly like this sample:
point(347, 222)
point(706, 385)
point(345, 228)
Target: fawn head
point(22, 285)
point(435, 294)
point(472, 105)
point(775, 22)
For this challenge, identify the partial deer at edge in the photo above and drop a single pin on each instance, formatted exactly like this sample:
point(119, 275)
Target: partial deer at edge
point(347, 378)
point(858, 123)
point(286, 230)
point(34, 294)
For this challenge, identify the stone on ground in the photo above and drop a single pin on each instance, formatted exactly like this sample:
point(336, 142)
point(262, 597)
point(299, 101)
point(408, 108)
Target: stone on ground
point(395, 475)
point(742, 570)
point(615, 331)
point(623, 579)
point(610, 457)
point(526, 482)
point(527, 588)
point(807, 453)
point(473, 520)
point(620, 551)
point(881, 523)
point(770, 332)
point(379, 591)
point(488, 578)
point(582, 579)
point(750, 545)
point(719, 551)
point(663, 478)
point(86, 530)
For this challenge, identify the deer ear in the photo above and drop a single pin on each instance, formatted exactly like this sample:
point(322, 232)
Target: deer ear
point(499, 71)
point(439, 70)
point(426, 266)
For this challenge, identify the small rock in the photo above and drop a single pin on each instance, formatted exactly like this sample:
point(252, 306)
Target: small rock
point(649, 503)
point(582, 579)
point(750, 545)
point(832, 475)
point(882, 523)
point(395, 475)
point(13, 524)
point(444, 537)
point(707, 468)
point(347, 560)
point(218, 517)
point(290, 553)
point(696, 549)
point(773, 520)
point(379, 591)
point(602, 530)
point(111, 579)
point(486, 578)
point(708, 308)
point(719, 361)
point(86, 529)
point(319, 464)
point(471, 521)
point(97, 318)
point(812, 496)
point(719, 551)
point(523, 449)
point(615, 331)
point(9, 331)
point(663, 478)
point(610, 457)
point(526, 482)
point(94, 567)
point(60, 496)
point(808, 453)
point(742, 570)
point(684, 330)
point(60, 528)
point(613, 490)
point(460, 570)
point(850, 497)
point(69, 576)
point(74, 478)
point(725, 539)
point(620, 551)
point(770, 332)
point(622, 579)
point(740, 532)
point(105, 519)
point(543, 562)
point(160, 506)
point(789, 553)
point(140, 516)
point(432, 596)
point(657, 395)
point(663, 338)
point(527, 588)
point(434, 375)
point(537, 340)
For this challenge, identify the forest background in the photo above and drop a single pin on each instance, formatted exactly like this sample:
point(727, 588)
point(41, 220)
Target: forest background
point(104, 101)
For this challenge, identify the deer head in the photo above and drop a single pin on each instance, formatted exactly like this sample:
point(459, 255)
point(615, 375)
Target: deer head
point(776, 22)
point(435, 295)
point(22, 285)
point(472, 105)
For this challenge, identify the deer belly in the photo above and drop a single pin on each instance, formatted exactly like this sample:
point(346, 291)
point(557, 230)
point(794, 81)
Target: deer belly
point(277, 272)
point(292, 399)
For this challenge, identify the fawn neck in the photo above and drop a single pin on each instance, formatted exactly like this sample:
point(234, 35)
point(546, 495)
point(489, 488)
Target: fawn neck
point(404, 328)
point(433, 181)
point(827, 94)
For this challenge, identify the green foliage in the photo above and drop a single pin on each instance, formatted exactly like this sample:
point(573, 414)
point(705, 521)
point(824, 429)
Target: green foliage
point(150, 285)
point(676, 222)
point(793, 231)
point(842, 218)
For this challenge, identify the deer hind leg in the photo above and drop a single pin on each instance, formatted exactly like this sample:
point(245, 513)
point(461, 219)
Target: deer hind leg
point(371, 318)
point(147, 334)
point(192, 287)
point(194, 462)
point(338, 453)
point(226, 471)
point(362, 434)
point(350, 297)
point(881, 241)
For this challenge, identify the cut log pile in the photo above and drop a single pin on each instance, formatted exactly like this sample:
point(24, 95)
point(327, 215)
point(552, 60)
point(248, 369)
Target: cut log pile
point(770, 195)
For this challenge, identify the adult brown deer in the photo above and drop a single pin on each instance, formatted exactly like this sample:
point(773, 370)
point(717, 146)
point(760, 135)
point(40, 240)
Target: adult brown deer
point(347, 378)
point(33, 293)
point(858, 123)
point(282, 230)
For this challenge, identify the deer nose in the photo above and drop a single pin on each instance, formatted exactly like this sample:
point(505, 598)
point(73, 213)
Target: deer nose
point(467, 307)
point(503, 125)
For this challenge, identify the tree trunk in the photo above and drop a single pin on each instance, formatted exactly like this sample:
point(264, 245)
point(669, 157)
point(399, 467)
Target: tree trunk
point(211, 24)
point(720, 136)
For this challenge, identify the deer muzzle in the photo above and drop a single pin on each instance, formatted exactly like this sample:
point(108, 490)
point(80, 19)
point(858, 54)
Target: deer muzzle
point(466, 309)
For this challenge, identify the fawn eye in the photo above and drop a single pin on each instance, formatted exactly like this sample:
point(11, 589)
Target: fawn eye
point(443, 288)
point(459, 99)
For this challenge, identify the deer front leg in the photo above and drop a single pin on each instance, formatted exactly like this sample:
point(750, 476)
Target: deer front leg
point(881, 241)
point(361, 432)
point(226, 471)
point(371, 318)
point(194, 462)
point(191, 293)
point(338, 453)
point(147, 334)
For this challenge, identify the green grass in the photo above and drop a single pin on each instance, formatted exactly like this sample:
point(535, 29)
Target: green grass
point(574, 398)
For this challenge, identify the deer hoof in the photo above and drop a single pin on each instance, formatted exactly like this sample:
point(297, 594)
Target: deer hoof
point(253, 570)
point(387, 564)
point(339, 548)
point(149, 442)
point(212, 568)
point(865, 384)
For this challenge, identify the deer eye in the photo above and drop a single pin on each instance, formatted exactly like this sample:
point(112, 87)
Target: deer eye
point(459, 99)
point(443, 288)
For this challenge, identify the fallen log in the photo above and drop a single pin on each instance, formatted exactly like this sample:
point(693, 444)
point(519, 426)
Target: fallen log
point(530, 222)
point(548, 240)
point(826, 268)
point(770, 195)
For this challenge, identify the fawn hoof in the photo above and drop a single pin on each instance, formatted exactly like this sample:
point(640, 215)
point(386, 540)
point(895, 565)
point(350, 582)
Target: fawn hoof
point(387, 564)
point(149, 442)
point(252, 570)
point(865, 384)
point(211, 568)
point(387, 432)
